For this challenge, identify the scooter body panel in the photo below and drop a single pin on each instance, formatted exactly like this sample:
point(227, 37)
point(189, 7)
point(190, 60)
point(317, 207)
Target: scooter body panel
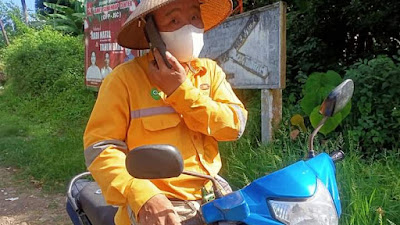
point(325, 170)
point(297, 181)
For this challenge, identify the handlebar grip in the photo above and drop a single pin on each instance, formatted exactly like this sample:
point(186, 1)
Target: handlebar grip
point(337, 155)
point(196, 220)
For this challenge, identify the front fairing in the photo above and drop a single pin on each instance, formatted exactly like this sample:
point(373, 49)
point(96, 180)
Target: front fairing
point(325, 170)
point(297, 181)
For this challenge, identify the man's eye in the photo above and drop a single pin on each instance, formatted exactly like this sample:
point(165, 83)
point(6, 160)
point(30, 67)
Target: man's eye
point(174, 21)
point(195, 17)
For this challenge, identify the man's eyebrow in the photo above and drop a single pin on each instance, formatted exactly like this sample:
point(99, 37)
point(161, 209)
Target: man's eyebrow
point(171, 11)
point(196, 7)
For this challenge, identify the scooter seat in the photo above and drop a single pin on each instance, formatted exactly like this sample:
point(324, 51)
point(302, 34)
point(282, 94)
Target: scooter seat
point(92, 202)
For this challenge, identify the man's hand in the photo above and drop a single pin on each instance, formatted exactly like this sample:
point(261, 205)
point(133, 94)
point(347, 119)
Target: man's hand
point(158, 210)
point(168, 80)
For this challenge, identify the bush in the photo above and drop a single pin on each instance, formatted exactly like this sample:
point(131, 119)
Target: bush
point(45, 75)
point(315, 90)
point(44, 106)
point(376, 113)
point(44, 61)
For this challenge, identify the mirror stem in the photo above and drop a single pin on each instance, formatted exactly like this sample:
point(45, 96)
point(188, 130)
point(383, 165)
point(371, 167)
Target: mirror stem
point(311, 152)
point(216, 190)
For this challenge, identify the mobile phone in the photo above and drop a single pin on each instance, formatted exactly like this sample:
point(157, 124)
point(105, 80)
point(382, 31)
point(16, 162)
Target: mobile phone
point(154, 38)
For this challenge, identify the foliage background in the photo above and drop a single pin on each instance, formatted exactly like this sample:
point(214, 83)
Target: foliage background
point(30, 76)
point(375, 120)
point(44, 105)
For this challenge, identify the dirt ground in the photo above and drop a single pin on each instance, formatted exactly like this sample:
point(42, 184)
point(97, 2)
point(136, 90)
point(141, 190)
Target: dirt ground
point(23, 203)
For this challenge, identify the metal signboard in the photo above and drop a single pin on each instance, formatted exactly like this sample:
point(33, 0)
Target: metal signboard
point(250, 48)
point(103, 21)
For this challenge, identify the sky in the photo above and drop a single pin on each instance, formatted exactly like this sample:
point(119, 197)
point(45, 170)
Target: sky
point(29, 3)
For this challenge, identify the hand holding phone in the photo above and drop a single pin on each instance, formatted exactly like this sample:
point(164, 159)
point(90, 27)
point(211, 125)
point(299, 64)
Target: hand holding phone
point(169, 77)
point(168, 80)
point(154, 38)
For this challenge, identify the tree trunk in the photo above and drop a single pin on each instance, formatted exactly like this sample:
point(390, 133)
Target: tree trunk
point(4, 32)
point(25, 11)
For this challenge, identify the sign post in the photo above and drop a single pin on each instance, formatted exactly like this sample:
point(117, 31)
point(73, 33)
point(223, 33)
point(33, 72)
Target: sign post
point(251, 49)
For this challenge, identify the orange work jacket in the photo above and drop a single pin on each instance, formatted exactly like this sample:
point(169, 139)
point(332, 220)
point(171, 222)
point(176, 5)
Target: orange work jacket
point(131, 112)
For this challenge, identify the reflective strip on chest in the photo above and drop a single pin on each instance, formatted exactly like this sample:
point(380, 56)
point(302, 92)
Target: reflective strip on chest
point(152, 111)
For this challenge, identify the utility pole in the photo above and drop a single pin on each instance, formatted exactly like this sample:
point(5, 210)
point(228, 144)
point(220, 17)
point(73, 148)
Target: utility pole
point(4, 32)
point(25, 11)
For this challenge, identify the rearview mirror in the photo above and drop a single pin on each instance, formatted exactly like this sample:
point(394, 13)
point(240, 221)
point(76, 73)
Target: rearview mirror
point(338, 98)
point(154, 162)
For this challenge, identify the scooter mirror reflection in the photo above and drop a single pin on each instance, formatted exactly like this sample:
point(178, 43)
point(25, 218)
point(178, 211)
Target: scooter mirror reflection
point(154, 162)
point(338, 98)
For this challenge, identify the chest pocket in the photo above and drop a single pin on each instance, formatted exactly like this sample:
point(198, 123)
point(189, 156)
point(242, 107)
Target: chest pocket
point(161, 121)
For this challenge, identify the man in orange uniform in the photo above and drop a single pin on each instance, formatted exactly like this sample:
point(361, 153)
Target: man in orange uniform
point(190, 106)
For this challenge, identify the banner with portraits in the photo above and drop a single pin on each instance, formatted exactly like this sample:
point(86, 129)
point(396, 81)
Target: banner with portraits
point(104, 18)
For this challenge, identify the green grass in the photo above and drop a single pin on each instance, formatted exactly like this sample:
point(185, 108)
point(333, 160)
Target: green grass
point(47, 151)
point(41, 154)
point(370, 189)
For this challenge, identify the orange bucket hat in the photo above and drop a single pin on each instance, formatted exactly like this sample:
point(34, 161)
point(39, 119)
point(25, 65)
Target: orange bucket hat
point(132, 36)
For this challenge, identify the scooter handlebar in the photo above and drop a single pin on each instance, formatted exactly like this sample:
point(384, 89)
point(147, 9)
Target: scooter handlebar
point(196, 220)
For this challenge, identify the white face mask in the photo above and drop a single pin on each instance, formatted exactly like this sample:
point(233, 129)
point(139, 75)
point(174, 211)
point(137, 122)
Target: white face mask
point(185, 43)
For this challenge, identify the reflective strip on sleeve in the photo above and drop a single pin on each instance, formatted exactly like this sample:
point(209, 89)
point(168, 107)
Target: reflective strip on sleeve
point(152, 111)
point(241, 117)
point(96, 149)
point(131, 215)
